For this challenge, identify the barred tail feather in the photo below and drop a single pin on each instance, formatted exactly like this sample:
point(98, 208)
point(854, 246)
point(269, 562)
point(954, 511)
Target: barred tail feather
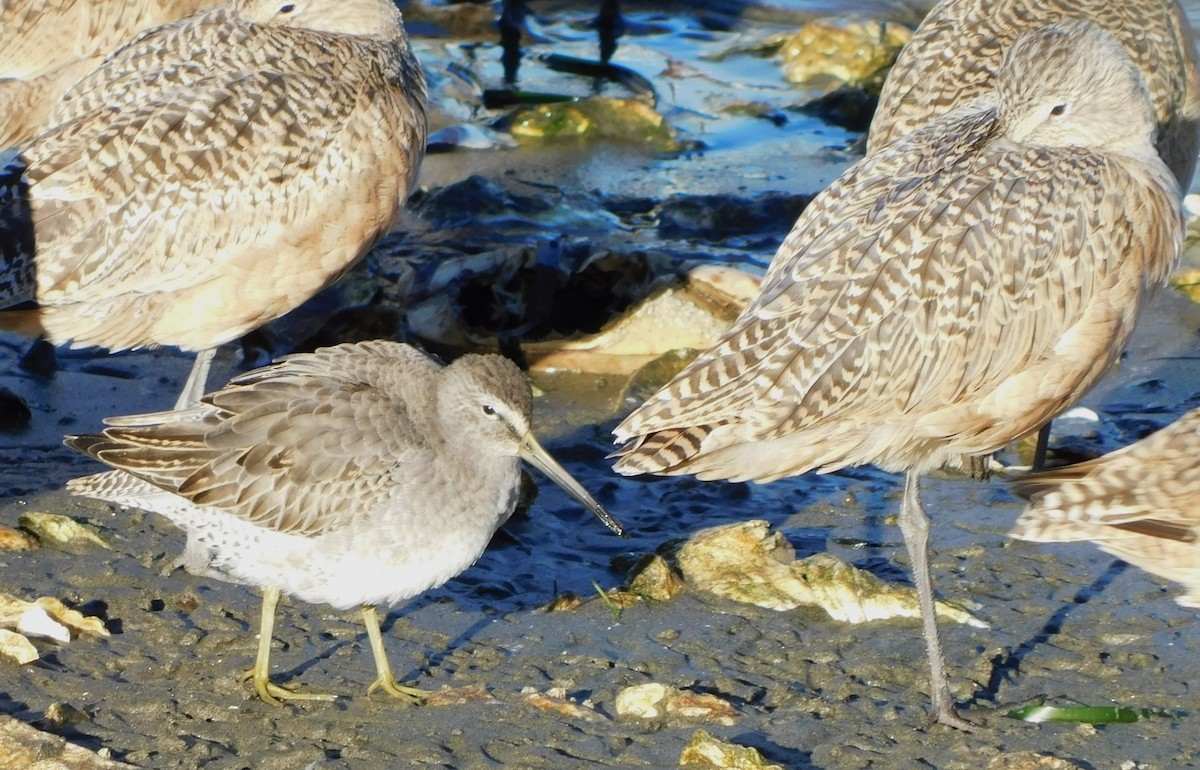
point(664, 452)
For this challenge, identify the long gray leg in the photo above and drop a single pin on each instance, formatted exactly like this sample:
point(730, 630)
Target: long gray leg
point(914, 525)
point(193, 389)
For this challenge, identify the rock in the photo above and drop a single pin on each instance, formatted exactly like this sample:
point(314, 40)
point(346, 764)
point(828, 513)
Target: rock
point(654, 579)
point(16, 540)
point(705, 751)
point(690, 316)
point(61, 717)
point(1188, 282)
point(596, 117)
point(666, 704)
point(24, 748)
point(720, 217)
point(16, 647)
point(827, 53)
point(840, 65)
point(46, 618)
point(555, 701)
point(746, 562)
point(14, 412)
point(554, 289)
point(1031, 760)
point(564, 602)
point(60, 531)
point(457, 696)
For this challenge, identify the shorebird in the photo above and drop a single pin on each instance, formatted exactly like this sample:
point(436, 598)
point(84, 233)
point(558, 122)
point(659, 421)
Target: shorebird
point(955, 52)
point(49, 44)
point(945, 295)
point(608, 23)
point(215, 173)
point(357, 475)
point(1140, 504)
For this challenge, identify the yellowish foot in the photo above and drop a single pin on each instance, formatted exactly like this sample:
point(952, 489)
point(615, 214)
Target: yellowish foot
point(384, 680)
point(410, 695)
point(272, 693)
point(276, 694)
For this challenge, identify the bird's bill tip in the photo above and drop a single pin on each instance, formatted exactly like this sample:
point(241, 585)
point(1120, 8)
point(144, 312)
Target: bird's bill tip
point(536, 455)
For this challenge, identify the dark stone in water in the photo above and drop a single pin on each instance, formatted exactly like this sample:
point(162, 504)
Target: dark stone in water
point(467, 202)
point(719, 217)
point(14, 412)
point(40, 360)
point(848, 106)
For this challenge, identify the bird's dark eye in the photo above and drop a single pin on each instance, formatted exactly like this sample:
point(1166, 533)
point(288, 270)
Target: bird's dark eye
point(488, 410)
point(1058, 109)
point(287, 8)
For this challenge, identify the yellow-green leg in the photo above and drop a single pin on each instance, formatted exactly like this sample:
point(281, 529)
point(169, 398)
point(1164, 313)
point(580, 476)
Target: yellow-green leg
point(273, 693)
point(384, 679)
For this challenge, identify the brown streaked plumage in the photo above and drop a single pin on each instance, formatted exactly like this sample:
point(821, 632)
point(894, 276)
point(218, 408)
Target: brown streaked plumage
point(945, 295)
point(1140, 504)
point(50, 44)
point(218, 171)
point(955, 52)
point(357, 475)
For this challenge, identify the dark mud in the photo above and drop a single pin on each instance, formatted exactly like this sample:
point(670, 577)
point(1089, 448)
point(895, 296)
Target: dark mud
point(1068, 623)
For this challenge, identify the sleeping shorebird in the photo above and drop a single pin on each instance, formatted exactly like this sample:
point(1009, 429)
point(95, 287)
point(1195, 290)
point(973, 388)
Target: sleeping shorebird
point(954, 55)
point(215, 173)
point(947, 294)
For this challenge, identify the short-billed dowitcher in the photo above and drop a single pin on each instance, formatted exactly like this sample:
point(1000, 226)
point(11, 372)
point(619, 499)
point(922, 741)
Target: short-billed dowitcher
point(945, 295)
point(954, 54)
point(217, 172)
point(49, 44)
point(1140, 503)
point(358, 475)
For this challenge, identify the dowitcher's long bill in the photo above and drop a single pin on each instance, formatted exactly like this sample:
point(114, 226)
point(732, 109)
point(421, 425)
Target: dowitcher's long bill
point(947, 294)
point(358, 475)
point(536, 455)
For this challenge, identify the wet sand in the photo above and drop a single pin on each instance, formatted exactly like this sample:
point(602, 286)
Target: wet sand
point(164, 691)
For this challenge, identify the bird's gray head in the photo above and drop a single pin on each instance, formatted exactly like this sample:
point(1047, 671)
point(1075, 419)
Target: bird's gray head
point(364, 18)
point(486, 401)
point(1072, 84)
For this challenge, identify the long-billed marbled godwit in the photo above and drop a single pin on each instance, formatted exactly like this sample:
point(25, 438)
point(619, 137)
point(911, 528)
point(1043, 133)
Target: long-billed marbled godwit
point(49, 44)
point(215, 173)
point(357, 475)
point(945, 295)
point(1140, 504)
point(954, 55)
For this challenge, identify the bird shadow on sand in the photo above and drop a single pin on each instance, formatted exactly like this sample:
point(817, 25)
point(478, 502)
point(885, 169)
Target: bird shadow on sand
point(1007, 666)
point(436, 656)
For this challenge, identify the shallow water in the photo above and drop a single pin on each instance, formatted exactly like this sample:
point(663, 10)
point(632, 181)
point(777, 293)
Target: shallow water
point(1067, 622)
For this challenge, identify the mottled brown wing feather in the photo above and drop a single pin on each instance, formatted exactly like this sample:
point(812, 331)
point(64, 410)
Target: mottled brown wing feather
point(263, 447)
point(863, 280)
point(103, 177)
point(1151, 487)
